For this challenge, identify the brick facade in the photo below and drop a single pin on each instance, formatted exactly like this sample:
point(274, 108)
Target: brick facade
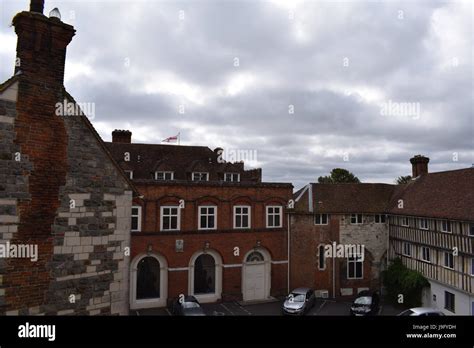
point(223, 240)
point(61, 193)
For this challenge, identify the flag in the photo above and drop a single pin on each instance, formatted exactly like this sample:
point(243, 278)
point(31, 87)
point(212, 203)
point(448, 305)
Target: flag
point(171, 139)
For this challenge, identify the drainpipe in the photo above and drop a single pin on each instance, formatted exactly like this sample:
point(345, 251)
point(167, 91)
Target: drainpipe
point(333, 277)
point(288, 221)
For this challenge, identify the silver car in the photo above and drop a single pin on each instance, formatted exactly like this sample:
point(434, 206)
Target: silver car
point(298, 302)
point(422, 312)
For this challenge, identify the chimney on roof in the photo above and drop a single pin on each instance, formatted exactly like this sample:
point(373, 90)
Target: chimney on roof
point(419, 165)
point(41, 46)
point(37, 6)
point(122, 136)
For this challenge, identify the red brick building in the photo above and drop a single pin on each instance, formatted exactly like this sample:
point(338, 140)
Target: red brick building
point(339, 217)
point(203, 226)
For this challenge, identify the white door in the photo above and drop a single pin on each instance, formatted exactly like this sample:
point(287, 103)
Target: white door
point(255, 282)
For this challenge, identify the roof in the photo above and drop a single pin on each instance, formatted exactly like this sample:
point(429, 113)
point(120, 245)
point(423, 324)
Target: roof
point(145, 159)
point(448, 194)
point(4, 85)
point(352, 198)
point(89, 125)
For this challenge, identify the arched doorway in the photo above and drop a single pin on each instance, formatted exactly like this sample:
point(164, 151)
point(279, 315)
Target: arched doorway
point(149, 281)
point(256, 275)
point(205, 276)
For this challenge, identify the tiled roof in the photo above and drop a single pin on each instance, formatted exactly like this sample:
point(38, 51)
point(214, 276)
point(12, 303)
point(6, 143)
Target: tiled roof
point(447, 195)
point(145, 159)
point(351, 198)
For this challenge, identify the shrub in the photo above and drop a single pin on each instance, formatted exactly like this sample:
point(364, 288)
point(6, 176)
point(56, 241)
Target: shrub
point(399, 280)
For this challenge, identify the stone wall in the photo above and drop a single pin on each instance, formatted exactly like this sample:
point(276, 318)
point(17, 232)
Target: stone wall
point(83, 264)
point(370, 234)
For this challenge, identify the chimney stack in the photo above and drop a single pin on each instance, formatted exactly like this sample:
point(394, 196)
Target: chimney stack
point(122, 136)
point(41, 46)
point(419, 165)
point(37, 6)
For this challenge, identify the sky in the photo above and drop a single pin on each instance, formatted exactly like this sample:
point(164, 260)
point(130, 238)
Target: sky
point(294, 87)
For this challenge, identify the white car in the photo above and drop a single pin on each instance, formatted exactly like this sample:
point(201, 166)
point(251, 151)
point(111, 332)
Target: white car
point(422, 312)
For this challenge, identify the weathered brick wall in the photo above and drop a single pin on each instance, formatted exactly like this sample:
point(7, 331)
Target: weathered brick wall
point(90, 239)
point(306, 238)
point(13, 185)
point(83, 253)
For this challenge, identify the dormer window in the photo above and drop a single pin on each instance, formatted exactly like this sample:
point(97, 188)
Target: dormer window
point(200, 176)
point(129, 174)
point(232, 177)
point(164, 175)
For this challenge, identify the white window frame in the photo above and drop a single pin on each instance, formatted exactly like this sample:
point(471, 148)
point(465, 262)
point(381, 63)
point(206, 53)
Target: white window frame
point(249, 214)
point(267, 214)
point(355, 260)
point(207, 214)
point(409, 249)
point(164, 175)
point(321, 219)
point(178, 224)
point(200, 175)
point(449, 226)
point(405, 218)
point(470, 228)
point(423, 248)
point(232, 177)
point(357, 219)
point(420, 224)
point(129, 174)
point(139, 218)
point(446, 258)
point(380, 219)
point(472, 266)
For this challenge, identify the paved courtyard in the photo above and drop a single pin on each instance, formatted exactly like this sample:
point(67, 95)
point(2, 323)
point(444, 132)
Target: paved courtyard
point(322, 307)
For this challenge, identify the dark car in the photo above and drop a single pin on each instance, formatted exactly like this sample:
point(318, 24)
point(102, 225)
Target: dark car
point(298, 302)
point(366, 303)
point(187, 306)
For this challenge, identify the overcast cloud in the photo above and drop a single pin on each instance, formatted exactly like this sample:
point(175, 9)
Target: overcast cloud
point(334, 63)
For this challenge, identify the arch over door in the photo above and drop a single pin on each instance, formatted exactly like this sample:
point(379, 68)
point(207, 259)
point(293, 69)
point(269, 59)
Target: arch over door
point(256, 275)
point(148, 281)
point(205, 276)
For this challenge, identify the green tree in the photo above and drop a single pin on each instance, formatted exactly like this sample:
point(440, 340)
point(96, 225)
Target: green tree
point(399, 280)
point(403, 179)
point(338, 175)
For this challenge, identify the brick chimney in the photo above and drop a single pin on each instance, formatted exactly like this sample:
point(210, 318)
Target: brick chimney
point(122, 136)
point(41, 46)
point(419, 165)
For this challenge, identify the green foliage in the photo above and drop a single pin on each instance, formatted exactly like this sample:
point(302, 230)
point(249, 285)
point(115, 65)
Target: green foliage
point(338, 175)
point(399, 280)
point(403, 179)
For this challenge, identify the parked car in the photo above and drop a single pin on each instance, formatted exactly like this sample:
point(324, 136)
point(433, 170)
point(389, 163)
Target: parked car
point(186, 306)
point(366, 303)
point(422, 312)
point(299, 302)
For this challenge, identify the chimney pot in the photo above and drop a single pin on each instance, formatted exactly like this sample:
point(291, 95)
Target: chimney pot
point(37, 6)
point(419, 165)
point(122, 136)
